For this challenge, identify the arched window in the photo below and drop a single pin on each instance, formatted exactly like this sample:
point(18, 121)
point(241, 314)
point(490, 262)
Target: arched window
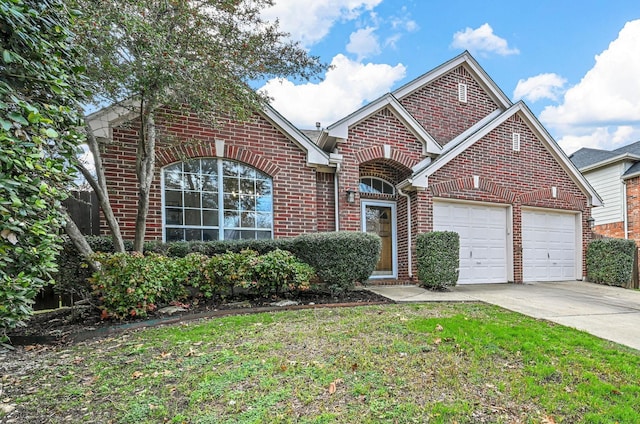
point(213, 199)
point(376, 186)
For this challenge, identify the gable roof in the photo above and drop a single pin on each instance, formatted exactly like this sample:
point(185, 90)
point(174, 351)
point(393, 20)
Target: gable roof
point(315, 155)
point(420, 178)
point(474, 69)
point(588, 159)
point(102, 121)
point(632, 172)
point(340, 129)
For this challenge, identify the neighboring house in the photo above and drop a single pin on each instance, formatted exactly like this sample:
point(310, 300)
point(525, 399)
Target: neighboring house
point(615, 175)
point(447, 151)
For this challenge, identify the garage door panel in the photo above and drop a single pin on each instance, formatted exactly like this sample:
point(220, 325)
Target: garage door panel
point(549, 246)
point(483, 242)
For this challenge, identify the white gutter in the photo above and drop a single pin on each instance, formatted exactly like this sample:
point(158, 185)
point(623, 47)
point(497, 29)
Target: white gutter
point(335, 200)
point(624, 209)
point(409, 263)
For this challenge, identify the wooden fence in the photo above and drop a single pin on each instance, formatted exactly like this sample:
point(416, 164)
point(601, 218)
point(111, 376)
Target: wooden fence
point(84, 209)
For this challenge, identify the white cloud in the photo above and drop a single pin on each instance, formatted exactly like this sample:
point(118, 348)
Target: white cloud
point(606, 138)
point(482, 40)
point(364, 43)
point(309, 22)
point(543, 86)
point(610, 92)
point(603, 109)
point(345, 88)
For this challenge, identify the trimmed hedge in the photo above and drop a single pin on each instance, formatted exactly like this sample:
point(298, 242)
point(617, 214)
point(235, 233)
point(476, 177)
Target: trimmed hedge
point(610, 261)
point(341, 258)
point(438, 257)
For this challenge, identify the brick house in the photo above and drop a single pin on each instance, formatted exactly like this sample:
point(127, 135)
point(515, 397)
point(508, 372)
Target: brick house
point(447, 151)
point(615, 174)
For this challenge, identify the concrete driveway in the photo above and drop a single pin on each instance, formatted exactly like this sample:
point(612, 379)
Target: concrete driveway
point(611, 313)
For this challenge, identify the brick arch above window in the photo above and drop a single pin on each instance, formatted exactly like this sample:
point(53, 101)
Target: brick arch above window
point(468, 183)
point(377, 153)
point(185, 151)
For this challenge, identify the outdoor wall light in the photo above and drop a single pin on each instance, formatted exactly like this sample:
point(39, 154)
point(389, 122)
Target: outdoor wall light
point(591, 222)
point(351, 196)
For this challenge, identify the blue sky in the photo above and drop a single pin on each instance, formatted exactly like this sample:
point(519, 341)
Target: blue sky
point(575, 63)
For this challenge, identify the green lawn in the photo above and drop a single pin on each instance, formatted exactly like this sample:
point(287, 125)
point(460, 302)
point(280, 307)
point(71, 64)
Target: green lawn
point(437, 363)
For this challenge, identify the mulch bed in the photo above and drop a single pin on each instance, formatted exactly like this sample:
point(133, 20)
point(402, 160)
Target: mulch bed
point(70, 325)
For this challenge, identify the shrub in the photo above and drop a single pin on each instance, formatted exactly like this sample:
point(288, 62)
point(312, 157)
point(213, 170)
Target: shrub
point(131, 284)
point(438, 259)
point(341, 258)
point(222, 273)
point(73, 272)
point(279, 271)
point(610, 261)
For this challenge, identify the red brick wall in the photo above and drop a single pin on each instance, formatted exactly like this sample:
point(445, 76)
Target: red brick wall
point(613, 229)
point(521, 178)
point(325, 200)
point(257, 143)
point(633, 209)
point(364, 146)
point(437, 109)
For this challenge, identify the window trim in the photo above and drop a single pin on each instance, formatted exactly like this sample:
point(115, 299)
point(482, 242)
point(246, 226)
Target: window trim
point(220, 199)
point(384, 183)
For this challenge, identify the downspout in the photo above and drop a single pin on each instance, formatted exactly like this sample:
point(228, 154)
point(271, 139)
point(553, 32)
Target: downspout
point(409, 262)
point(335, 195)
point(624, 209)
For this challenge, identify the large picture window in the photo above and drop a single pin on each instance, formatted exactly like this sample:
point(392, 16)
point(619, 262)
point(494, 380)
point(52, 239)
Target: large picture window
point(212, 199)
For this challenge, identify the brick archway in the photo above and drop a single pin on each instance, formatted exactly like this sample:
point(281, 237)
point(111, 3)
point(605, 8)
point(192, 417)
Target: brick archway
point(468, 183)
point(378, 153)
point(547, 193)
point(187, 151)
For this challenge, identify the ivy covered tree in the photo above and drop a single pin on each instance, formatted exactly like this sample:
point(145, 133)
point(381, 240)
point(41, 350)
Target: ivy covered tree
point(39, 87)
point(200, 54)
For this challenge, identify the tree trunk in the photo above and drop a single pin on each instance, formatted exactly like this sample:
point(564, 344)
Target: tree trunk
point(99, 185)
point(80, 242)
point(145, 167)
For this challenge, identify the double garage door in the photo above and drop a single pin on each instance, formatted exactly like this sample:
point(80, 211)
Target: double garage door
point(549, 242)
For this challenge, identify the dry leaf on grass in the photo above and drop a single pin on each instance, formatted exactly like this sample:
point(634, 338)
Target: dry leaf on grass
point(332, 388)
point(333, 385)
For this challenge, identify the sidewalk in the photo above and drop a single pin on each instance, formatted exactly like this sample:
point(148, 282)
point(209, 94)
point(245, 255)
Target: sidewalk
point(611, 313)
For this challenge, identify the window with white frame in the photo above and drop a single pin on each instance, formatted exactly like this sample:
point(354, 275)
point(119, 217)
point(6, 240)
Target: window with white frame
point(213, 199)
point(375, 185)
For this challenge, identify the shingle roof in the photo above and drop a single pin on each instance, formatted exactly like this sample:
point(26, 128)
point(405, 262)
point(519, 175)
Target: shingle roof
point(586, 156)
point(633, 148)
point(313, 135)
point(634, 170)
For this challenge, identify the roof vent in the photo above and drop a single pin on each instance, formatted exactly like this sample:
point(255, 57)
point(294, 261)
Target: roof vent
point(462, 92)
point(515, 137)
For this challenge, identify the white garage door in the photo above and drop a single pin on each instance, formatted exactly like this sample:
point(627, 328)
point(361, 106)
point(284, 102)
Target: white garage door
point(483, 239)
point(548, 246)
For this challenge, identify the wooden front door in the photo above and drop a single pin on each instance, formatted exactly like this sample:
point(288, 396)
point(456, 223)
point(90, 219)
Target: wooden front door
point(379, 218)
